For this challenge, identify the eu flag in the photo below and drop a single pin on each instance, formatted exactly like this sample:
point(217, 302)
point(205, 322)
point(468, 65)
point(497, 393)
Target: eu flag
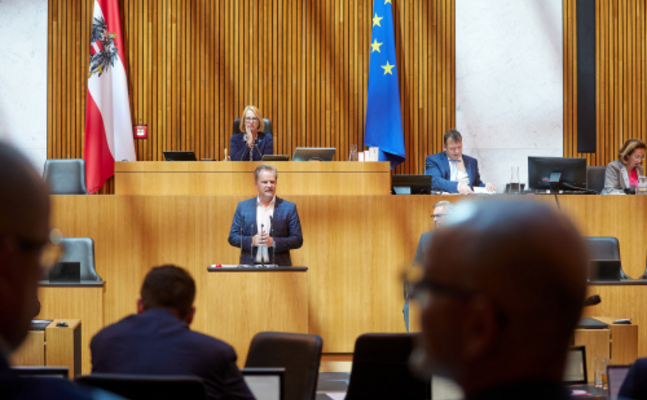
point(383, 118)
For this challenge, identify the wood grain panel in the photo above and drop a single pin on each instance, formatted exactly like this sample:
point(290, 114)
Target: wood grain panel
point(265, 301)
point(193, 65)
point(83, 303)
point(237, 178)
point(355, 249)
point(623, 301)
point(621, 50)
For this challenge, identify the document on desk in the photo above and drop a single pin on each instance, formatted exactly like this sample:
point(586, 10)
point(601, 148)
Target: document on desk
point(482, 190)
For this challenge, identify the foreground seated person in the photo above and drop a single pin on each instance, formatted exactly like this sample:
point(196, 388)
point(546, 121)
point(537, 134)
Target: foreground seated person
point(498, 316)
point(158, 341)
point(453, 172)
point(25, 251)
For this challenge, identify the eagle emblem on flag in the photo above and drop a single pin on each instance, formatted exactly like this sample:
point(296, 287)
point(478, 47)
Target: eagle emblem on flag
point(103, 51)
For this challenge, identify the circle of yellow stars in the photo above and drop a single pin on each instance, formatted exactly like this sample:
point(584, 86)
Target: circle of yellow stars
point(375, 46)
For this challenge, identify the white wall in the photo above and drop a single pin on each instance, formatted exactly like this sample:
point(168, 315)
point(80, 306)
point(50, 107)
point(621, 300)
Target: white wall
point(509, 83)
point(23, 76)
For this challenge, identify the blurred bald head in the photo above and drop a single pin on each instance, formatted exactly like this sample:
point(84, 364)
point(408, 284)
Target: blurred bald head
point(519, 280)
point(24, 230)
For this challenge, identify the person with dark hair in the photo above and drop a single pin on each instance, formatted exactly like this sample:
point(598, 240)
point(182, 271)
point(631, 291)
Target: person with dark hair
point(25, 250)
point(158, 341)
point(624, 172)
point(453, 172)
point(251, 144)
point(268, 226)
point(498, 316)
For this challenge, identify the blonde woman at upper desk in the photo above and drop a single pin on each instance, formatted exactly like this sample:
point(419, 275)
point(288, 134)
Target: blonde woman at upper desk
point(624, 172)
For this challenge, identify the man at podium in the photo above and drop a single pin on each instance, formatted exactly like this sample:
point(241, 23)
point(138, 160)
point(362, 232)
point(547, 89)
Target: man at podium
point(268, 226)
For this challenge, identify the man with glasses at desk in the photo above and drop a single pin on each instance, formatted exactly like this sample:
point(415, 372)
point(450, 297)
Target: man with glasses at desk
point(441, 210)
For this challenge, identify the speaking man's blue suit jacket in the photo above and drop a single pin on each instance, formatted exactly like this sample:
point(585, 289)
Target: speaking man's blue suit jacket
point(286, 230)
point(437, 165)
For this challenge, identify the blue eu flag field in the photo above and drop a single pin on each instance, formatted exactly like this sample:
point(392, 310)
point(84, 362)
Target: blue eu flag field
point(383, 118)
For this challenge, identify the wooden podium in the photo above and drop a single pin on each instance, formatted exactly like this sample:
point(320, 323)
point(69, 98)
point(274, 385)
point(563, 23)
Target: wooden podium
point(245, 301)
point(54, 347)
point(618, 343)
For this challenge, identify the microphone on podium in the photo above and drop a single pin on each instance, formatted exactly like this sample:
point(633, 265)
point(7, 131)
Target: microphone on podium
point(592, 300)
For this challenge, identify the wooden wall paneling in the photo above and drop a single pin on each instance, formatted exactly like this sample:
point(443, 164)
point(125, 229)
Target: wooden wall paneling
point(620, 79)
point(193, 65)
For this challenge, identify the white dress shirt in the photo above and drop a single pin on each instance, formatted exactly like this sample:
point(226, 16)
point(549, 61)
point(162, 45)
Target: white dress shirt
point(263, 215)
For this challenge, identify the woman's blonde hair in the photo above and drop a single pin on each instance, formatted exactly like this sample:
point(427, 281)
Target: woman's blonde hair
point(257, 112)
point(628, 148)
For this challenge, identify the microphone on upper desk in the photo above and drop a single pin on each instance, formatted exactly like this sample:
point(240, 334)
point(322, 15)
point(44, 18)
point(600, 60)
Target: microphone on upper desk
point(592, 300)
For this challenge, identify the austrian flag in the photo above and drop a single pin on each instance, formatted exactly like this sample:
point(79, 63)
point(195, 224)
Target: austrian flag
point(108, 125)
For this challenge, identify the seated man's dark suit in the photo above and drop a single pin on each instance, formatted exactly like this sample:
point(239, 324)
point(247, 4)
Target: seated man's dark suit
point(240, 150)
point(635, 384)
point(286, 230)
point(14, 387)
point(156, 342)
point(437, 165)
point(423, 243)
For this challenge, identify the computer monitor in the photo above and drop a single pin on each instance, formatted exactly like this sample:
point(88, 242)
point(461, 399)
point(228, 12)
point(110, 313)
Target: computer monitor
point(556, 173)
point(575, 372)
point(265, 383)
point(616, 375)
point(411, 184)
point(313, 154)
point(174, 155)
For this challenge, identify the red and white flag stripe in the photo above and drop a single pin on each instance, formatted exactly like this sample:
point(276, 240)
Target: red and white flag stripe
point(108, 124)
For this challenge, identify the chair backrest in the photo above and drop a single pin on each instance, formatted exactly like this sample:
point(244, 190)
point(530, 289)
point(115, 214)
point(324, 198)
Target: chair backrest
point(381, 369)
point(266, 129)
point(145, 387)
point(299, 354)
point(65, 176)
point(595, 178)
point(603, 247)
point(81, 249)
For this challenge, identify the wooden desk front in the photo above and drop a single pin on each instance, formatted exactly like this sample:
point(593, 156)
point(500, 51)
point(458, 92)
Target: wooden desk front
point(237, 178)
point(239, 303)
point(354, 246)
point(75, 301)
point(54, 347)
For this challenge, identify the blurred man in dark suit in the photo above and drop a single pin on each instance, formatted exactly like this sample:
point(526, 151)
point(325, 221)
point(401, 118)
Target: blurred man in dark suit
point(25, 250)
point(503, 287)
point(158, 341)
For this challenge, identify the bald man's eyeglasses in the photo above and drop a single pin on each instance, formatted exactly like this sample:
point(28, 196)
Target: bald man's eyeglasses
point(422, 289)
point(50, 250)
point(438, 216)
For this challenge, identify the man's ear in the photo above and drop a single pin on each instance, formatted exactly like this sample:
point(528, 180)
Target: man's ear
point(189, 318)
point(140, 306)
point(480, 328)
